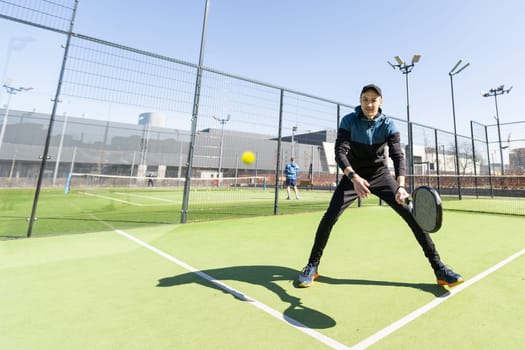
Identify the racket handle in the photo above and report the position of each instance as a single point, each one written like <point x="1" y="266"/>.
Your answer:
<point x="408" y="203"/>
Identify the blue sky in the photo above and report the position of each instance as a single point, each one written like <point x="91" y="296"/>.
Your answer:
<point x="325" y="48"/>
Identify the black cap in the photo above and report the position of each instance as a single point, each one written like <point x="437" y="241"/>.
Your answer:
<point x="372" y="87"/>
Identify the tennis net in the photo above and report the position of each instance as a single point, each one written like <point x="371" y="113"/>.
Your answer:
<point x="86" y="180"/>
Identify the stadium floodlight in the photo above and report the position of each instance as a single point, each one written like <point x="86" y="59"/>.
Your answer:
<point x="11" y="90"/>
<point x="500" y="90"/>
<point x="456" y="66"/>
<point x="406" y="69"/>
<point x="453" y="72"/>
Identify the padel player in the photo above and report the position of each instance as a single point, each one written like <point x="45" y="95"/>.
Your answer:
<point x="291" y="171"/>
<point x="360" y="152"/>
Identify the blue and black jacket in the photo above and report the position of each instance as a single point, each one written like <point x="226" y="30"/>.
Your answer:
<point x="361" y="143"/>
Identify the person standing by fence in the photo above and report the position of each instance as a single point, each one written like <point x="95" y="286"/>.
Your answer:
<point x="291" y="171"/>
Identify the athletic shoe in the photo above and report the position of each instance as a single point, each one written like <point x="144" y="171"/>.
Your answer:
<point x="447" y="277"/>
<point x="308" y="276"/>
<point x="297" y="197"/>
<point x="287" y="198"/>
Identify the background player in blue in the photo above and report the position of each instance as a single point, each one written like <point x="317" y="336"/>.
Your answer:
<point x="360" y="153"/>
<point x="291" y="171"/>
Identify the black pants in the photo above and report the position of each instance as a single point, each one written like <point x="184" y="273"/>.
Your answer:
<point x="383" y="185"/>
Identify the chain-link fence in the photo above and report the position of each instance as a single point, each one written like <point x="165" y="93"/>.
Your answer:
<point x="135" y="112"/>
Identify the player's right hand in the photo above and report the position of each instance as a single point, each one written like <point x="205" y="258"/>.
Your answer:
<point x="361" y="186"/>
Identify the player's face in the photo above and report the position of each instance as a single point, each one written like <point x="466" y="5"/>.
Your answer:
<point x="370" y="103"/>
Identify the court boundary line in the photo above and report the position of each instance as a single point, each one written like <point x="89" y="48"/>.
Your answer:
<point x="113" y="199"/>
<point x="148" y="197"/>
<point x="276" y="314"/>
<point x="376" y="337"/>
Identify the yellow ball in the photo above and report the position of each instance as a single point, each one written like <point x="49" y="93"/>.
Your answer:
<point x="248" y="157"/>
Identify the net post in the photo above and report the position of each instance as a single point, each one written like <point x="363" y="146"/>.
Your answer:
<point x="68" y="183"/>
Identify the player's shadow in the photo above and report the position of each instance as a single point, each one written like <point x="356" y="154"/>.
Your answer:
<point x="268" y="276"/>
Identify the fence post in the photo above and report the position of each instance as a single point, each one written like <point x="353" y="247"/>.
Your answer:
<point x="488" y="157"/>
<point x="51" y="122"/>
<point x="436" y="146"/>
<point x="338" y="121"/>
<point x="278" y="166"/>
<point x="195" y="114"/>
<point x="474" y="158"/>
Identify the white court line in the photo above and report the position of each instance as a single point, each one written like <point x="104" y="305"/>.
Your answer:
<point x="314" y="334"/>
<point x="290" y="321"/>
<point x="422" y="310"/>
<point x="148" y="197"/>
<point x="113" y="199"/>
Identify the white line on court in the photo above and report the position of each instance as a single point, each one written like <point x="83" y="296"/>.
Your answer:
<point x="290" y="321"/>
<point x="422" y="310"/>
<point x="314" y="334"/>
<point x="148" y="197"/>
<point x="113" y="199"/>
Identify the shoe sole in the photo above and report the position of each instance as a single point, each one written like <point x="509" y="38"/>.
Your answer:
<point x="309" y="284"/>
<point x="445" y="283"/>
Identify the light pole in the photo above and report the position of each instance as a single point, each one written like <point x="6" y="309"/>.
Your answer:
<point x="59" y="152"/>
<point x="406" y="69"/>
<point x="15" y="44"/>
<point x="294" y="130"/>
<point x="500" y="90"/>
<point x="443" y="152"/>
<point x="453" y="72"/>
<point x="180" y="155"/>
<point x="10" y="91"/>
<point x="222" y="121"/>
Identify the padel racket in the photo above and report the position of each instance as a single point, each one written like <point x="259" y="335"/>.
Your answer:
<point x="425" y="207"/>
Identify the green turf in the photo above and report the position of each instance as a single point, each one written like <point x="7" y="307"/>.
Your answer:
<point x="101" y="290"/>
<point x="497" y="205"/>
<point x="91" y="209"/>
<point x="86" y="210"/>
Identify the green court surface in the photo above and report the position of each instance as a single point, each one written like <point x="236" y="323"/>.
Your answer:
<point x="87" y="210"/>
<point x="229" y="285"/>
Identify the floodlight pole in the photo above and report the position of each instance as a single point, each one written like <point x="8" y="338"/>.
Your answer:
<point x="15" y="44"/>
<point x="500" y="90"/>
<point x="222" y="121"/>
<point x="294" y="130"/>
<point x="453" y="72"/>
<point x="406" y="69"/>
<point x="444" y="161"/>
<point x="10" y="91"/>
